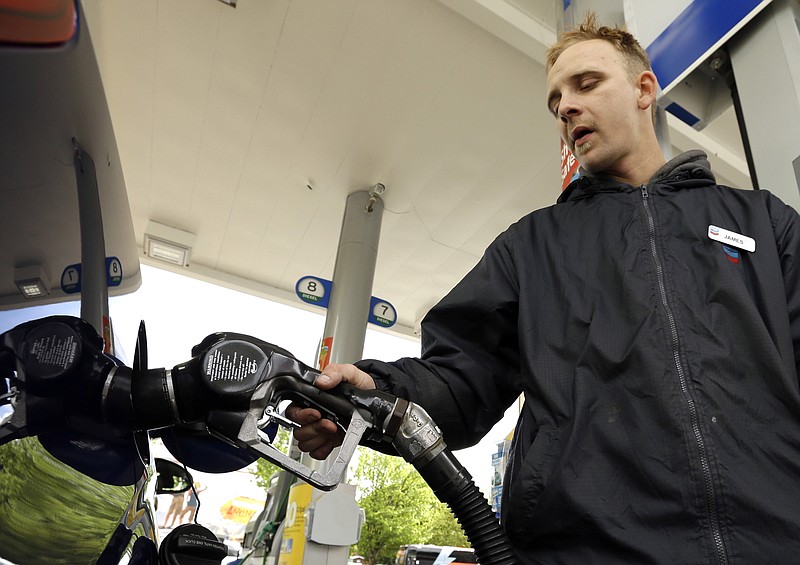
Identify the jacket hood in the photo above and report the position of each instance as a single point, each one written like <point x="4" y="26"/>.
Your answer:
<point x="692" y="166"/>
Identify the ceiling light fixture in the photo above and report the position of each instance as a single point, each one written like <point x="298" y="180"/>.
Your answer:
<point x="168" y="244"/>
<point x="32" y="281"/>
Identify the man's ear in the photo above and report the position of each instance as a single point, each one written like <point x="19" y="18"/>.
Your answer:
<point x="647" y="89"/>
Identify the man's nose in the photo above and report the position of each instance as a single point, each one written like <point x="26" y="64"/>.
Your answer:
<point x="568" y="107"/>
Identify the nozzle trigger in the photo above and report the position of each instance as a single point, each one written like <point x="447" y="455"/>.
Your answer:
<point x="273" y="416"/>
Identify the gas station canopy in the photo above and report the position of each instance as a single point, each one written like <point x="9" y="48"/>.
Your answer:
<point x="245" y="128"/>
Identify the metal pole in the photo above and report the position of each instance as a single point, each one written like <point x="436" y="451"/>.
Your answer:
<point x="94" y="286"/>
<point x="353" y="273"/>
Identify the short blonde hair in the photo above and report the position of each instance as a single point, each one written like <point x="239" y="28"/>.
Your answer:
<point x="634" y="56"/>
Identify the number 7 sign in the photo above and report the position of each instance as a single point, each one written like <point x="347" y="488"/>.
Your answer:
<point x="381" y="313"/>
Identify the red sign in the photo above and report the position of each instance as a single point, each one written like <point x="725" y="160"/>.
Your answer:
<point x="325" y="352"/>
<point x="569" y="166"/>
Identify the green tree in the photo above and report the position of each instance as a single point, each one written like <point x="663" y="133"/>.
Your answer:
<point x="443" y="528"/>
<point x="265" y="469"/>
<point x="400" y="509"/>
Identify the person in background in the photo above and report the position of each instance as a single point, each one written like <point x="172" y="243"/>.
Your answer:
<point x="174" y="511"/>
<point x="651" y="320"/>
<point x="192" y="503"/>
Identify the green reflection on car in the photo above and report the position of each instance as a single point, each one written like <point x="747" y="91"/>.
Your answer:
<point x="50" y="513"/>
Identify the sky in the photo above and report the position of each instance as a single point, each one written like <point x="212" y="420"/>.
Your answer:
<point x="180" y="311"/>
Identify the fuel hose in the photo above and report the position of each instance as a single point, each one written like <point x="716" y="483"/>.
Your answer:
<point x="420" y="443"/>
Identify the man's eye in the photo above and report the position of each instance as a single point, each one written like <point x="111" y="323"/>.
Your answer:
<point x="587" y="84"/>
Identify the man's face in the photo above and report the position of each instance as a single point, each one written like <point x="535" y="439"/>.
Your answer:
<point x="594" y="101"/>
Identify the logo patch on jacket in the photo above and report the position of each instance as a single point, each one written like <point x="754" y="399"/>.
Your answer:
<point x="731" y="253"/>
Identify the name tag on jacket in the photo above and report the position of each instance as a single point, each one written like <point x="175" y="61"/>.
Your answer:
<point x="732" y="238"/>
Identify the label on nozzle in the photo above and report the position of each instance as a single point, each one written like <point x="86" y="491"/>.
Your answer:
<point x="50" y="351"/>
<point x="233" y="366"/>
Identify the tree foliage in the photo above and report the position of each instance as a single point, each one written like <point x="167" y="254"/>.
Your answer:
<point x="264" y="469"/>
<point x="400" y="509"/>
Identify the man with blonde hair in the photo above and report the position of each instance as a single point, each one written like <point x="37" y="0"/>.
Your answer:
<point x="650" y="318"/>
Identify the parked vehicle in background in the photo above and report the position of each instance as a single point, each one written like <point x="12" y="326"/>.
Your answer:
<point x="419" y="554"/>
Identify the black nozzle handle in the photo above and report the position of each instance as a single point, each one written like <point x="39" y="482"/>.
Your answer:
<point x="254" y="440"/>
<point x="333" y="404"/>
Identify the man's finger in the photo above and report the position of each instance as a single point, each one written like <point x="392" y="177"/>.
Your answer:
<point x="302" y="415"/>
<point x="335" y="373"/>
<point x="322" y="452"/>
<point x="314" y="443"/>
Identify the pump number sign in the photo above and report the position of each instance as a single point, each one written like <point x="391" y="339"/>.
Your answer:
<point x="314" y="290"/>
<point x="71" y="276"/>
<point x="317" y="291"/>
<point x="71" y="279"/>
<point x="381" y="313"/>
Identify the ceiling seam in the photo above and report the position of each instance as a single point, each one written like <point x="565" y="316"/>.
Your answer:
<point x="430" y="238"/>
<point x="293" y="166"/>
<point x="422" y="116"/>
<point x="205" y="119"/>
<point x="509" y="195"/>
<point x="361" y="128"/>
<point x="249" y="147"/>
<point x="152" y="115"/>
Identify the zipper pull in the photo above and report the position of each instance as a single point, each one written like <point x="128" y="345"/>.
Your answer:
<point x="643" y="188"/>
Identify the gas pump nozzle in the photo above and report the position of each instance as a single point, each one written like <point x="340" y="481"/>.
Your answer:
<point x="235" y="386"/>
<point x="55" y="376"/>
<point x="246" y="380"/>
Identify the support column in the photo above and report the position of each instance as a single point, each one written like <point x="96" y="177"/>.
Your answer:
<point x="94" y="285"/>
<point x="346" y="321"/>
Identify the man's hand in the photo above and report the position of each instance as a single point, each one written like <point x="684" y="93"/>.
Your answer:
<point x="319" y="436"/>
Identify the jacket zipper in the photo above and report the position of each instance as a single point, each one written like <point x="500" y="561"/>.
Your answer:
<point x="711" y="498"/>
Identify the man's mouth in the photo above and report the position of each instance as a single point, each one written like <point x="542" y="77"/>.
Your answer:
<point x="580" y="135"/>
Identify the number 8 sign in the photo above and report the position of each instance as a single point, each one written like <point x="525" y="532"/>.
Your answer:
<point x="113" y="271"/>
<point x="314" y="290"/>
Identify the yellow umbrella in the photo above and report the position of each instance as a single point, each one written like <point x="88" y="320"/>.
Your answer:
<point x="241" y="509"/>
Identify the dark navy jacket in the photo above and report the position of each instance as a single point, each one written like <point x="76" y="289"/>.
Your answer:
<point x="661" y="421"/>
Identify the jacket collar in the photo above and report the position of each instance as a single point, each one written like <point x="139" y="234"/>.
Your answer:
<point x="687" y="170"/>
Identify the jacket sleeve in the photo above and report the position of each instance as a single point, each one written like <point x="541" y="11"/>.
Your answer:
<point x="469" y="372"/>
<point x="786" y="224"/>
